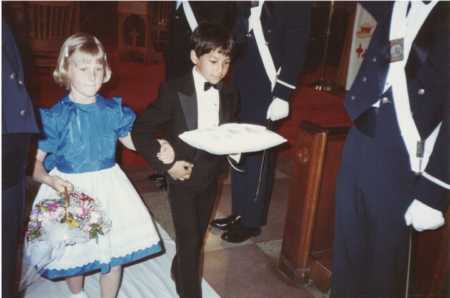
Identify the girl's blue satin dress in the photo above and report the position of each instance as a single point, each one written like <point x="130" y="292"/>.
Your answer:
<point x="80" y="141"/>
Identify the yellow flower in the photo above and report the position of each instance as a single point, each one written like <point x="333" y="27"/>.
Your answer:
<point x="72" y="223"/>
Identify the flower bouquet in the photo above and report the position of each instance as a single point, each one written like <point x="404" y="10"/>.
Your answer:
<point x="56" y="223"/>
<point x="75" y="218"/>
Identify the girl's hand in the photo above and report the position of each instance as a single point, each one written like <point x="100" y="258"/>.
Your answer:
<point x="60" y="184"/>
<point x="40" y="174"/>
<point x="166" y="154"/>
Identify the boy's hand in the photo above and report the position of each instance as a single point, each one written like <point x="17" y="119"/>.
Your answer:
<point x="58" y="184"/>
<point x="181" y="170"/>
<point x="166" y="154"/>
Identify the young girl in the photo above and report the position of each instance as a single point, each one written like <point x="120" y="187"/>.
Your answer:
<point x="80" y="136"/>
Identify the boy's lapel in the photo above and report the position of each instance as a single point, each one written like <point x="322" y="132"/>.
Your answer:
<point x="188" y="101"/>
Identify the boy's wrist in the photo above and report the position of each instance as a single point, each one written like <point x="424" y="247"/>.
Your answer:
<point x="167" y="167"/>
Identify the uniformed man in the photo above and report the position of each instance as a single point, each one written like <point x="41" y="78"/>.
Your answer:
<point x="273" y="38"/>
<point x="185" y="18"/>
<point x="395" y="168"/>
<point x="18" y="124"/>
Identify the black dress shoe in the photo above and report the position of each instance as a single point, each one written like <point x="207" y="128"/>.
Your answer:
<point x="238" y="234"/>
<point x="225" y="223"/>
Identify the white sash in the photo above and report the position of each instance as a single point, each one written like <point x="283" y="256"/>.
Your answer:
<point x="190" y="17"/>
<point x="407" y="27"/>
<point x="263" y="48"/>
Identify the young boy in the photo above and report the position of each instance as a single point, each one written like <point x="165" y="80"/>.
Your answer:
<point x="198" y="99"/>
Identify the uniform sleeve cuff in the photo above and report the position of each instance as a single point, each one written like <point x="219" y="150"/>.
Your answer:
<point x="281" y="91"/>
<point x="431" y="194"/>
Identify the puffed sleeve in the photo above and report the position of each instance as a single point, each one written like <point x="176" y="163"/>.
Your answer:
<point x="49" y="138"/>
<point x="125" y="118"/>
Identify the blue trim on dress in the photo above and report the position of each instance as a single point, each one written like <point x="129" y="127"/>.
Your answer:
<point x="104" y="267"/>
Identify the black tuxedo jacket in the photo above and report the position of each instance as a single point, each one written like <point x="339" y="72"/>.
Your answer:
<point x="178" y="45"/>
<point x="175" y="110"/>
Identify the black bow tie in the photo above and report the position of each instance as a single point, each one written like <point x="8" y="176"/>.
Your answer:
<point x="209" y="85"/>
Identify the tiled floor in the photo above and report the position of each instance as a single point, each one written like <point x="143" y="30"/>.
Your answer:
<point x="245" y="270"/>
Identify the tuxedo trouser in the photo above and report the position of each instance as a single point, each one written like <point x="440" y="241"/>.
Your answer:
<point x="373" y="190"/>
<point x="14" y="160"/>
<point x="191" y="209"/>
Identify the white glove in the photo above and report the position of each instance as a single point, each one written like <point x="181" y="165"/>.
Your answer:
<point x="278" y="109"/>
<point x="423" y="217"/>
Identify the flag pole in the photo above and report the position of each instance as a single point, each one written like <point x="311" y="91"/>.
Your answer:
<point x="408" y="266"/>
<point x="322" y="84"/>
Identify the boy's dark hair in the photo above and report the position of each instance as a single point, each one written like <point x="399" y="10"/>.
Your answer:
<point x="208" y="37"/>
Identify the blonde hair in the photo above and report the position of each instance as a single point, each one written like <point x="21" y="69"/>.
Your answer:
<point x="83" y="43"/>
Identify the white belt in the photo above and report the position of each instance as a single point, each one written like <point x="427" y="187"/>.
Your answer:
<point x="190" y="17"/>
<point x="264" y="52"/>
<point x="419" y="151"/>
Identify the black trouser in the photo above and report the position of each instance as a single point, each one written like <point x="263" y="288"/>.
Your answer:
<point x="191" y="210"/>
<point x="14" y="160"/>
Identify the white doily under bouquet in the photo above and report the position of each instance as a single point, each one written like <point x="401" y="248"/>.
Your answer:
<point x="56" y="223"/>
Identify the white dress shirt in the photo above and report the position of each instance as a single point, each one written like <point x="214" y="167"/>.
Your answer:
<point x="207" y="102"/>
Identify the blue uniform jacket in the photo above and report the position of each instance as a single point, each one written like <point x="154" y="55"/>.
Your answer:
<point x="427" y="72"/>
<point x="286" y="30"/>
<point x="17" y="110"/>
